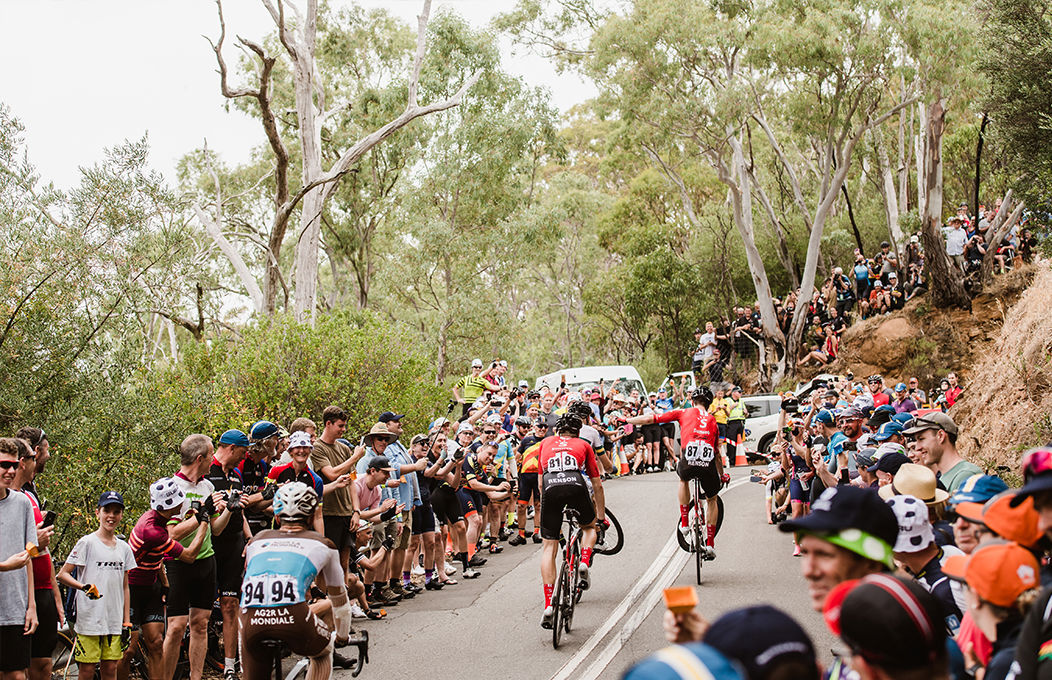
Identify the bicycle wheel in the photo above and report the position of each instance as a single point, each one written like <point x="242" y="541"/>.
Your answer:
<point x="216" y="654"/>
<point x="698" y="530"/>
<point x="613" y="539"/>
<point x="557" y="605"/>
<point x="299" y="670"/>
<point x="62" y="663"/>
<point x="571" y="595"/>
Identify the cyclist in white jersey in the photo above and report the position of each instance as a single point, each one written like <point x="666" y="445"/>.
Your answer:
<point x="280" y="566"/>
<point x="591" y="435"/>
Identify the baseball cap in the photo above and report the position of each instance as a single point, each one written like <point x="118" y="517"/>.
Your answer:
<point x="831" y="393"/>
<point x="388" y="416"/>
<point x="903" y="418"/>
<point x="437" y="422"/>
<point x="850" y="413"/>
<point x="864" y="457"/>
<point x="234" y="438"/>
<point x="465" y="427"/>
<point x="476" y="363"/>
<point x="914" y="239"/>
<point x="418" y="439"/>
<point x="998" y="572"/>
<point x="736" y="388"/>
<point x="703" y="660"/>
<point x="936" y="420"/>
<point x="825" y="417"/>
<point x="915" y="480"/>
<point x="1018" y="523"/>
<point x="524" y="384"/>
<point x="915" y="532"/>
<point x="887" y="431"/>
<point x="262" y="429"/>
<point x="540" y="422"/>
<point x="1037" y="473"/>
<point x="978" y="489"/>
<point x="111" y="498"/>
<point x="888" y="461"/>
<point x="364" y="524"/>
<point x="881" y="415"/>
<point x="887" y="620"/>
<point x="493" y="419"/>
<point x="379" y="463"/>
<point x="301" y="438"/>
<point x="853" y="518"/>
<point x="761" y="637"/>
<point x="901" y="387"/>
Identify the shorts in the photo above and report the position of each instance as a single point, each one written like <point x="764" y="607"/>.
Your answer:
<point x="96" y="648"/>
<point x="467" y="502"/>
<point x="402" y="542"/>
<point x="710" y="479"/>
<point x="338" y="530"/>
<point x="446" y="505"/>
<point x="668" y="430"/>
<point x="382" y="530"/>
<point x="651" y="434"/>
<point x="529" y="491"/>
<point x="423" y="520"/>
<point x="14" y="652"/>
<point x="797" y="492"/>
<point x="721" y="428"/>
<point x="230" y="566"/>
<point x="296" y="625"/>
<point x="191" y="586"/>
<point x="555" y="499"/>
<point x="145" y="604"/>
<point x="46" y="635"/>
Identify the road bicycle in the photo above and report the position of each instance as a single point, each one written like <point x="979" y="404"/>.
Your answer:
<point x="609" y="539"/>
<point x="568" y="589"/>
<point x="279" y="650"/>
<point x="694" y="541"/>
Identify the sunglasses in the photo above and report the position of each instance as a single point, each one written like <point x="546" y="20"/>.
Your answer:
<point x="8" y="464"/>
<point x="489" y="432"/>
<point x="1035" y="462"/>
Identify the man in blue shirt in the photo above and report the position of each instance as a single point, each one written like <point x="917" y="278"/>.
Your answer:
<point x="408" y="494"/>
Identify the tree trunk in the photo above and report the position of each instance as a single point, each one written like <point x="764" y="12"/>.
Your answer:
<point x="997" y="232"/>
<point x="920" y="151"/>
<point x="947" y="282"/>
<point x="905" y="152"/>
<point x="979" y="164"/>
<point x="443" y="359"/>
<point x="891" y="199"/>
<point x="851" y="218"/>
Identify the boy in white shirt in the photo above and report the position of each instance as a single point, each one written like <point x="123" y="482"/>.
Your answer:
<point x="103" y="624"/>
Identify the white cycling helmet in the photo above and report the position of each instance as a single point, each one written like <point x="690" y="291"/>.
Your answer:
<point x="165" y="494"/>
<point x="295" y="501"/>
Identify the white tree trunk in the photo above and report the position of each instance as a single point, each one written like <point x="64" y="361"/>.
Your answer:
<point x="243" y="273"/>
<point x="920" y="150"/>
<point x="891" y="200"/>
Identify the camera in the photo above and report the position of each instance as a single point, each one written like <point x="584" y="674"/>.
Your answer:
<point x="195" y="506"/>
<point x="791" y="405"/>
<point x="458" y="454"/>
<point x="233" y="500"/>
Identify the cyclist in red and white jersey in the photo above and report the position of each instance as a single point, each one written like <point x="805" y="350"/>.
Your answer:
<point x="567" y="465"/>
<point x="698" y="446"/>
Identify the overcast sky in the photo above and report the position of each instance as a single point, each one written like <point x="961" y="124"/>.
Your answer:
<point x="83" y="75"/>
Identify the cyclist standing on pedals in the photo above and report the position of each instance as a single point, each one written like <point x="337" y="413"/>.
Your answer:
<point x="698" y="439"/>
<point x="567" y="466"/>
<point x="280" y="565"/>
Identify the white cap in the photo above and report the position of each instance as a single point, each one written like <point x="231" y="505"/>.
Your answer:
<point x="914" y="239"/>
<point x="493" y="419"/>
<point x="465" y="427"/>
<point x="476" y="363"/>
<point x="165" y="494"/>
<point x="503" y="363"/>
<point x="915" y="532"/>
<point x="300" y="438"/>
<point x="524" y="384"/>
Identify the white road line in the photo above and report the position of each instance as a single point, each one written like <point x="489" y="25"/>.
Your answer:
<point x="670" y="555"/>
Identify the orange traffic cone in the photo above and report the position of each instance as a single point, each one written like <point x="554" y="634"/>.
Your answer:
<point x="739" y="453"/>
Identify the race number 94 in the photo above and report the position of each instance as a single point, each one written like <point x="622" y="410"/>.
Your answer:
<point x="269" y="591"/>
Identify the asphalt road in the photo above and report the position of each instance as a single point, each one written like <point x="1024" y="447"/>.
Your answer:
<point x="491" y="625"/>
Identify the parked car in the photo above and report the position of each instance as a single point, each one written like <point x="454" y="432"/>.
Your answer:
<point x="761" y="422"/>
<point x="803" y="390"/>
<point x="624" y="378"/>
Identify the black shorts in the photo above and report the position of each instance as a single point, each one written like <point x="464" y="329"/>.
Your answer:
<point x="145" y="604"/>
<point x="46" y="635"/>
<point x="555" y="499"/>
<point x="467" y="502"/>
<point x="338" y="530"/>
<point x="14" y="652"/>
<point x="721" y="429"/>
<point x="529" y="492"/>
<point x="446" y="505"/>
<point x="191" y="586"/>
<point x="230" y="567"/>
<point x="651" y="434"/>
<point x="668" y="430"/>
<point x="423" y="520"/>
<point x="710" y="479"/>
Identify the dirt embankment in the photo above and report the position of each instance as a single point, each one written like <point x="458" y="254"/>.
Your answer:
<point x="1001" y="351"/>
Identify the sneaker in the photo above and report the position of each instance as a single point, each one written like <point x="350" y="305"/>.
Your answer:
<point x="796" y="550"/>
<point x="403" y="592"/>
<point x="494" y="549"/>
<point x="374" y="601"/>
<point x="434" y="584"/>
<point x="537" y="538"/>
<point x="505" y="534"/>
<point x="477" y="560"/>
<point x="471" y="573"/>
<point x="338" y="661"/>
<point x="229" y="674"/>
<point x="517" y="540"/>
<point x="529" y="512"/>
<point x="356" y="611"/>
<point x="390" y="595"/>
<point x="417" y="570"/>
<point x="412" y="588"/>
<point x="547" y="619"/>
<point x="582" y="575"/>
<point x="450" y="569"/>
<point x="709" y="553"/>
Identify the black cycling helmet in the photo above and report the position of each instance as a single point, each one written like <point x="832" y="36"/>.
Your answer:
<point x="702" y="395"/>
<point x="523" y="421"/>
<point x="581" y="410"/>
<point x="568" y="424"/>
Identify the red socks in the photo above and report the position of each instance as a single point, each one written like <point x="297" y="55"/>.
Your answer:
<point x="549" y="588"/>
<point x="586" y="556"/>
<point x="683" y="511"/>
<point x="710" y="540"/>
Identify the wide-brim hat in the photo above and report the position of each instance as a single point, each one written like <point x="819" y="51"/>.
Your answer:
<point x="379" y="430"/>
<point x="918" y="481"/>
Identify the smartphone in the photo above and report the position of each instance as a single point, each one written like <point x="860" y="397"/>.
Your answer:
<point x="755" y="478"/>
<point x="49" y="519"/>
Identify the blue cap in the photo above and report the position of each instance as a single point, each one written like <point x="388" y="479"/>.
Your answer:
<point x="825" y="416"/>
<point x="978" y="489"/>
<point x="664" y="664"/>
<point x="903" y="418"/>
<point x="889" y="462"/>
<point x="345" y="442"/>
<point x="887" y="431"/>
<point x="111" y="498"/>
<point x="234" y="438"/>
<point x="760" y="638"/>
<point x="884" y="408"/>
<point x="262" y="429"/>
<point x="388" y="416"/>
<point x="901" y="387"/>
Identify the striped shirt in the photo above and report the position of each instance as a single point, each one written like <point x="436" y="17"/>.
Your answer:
<point x="150" y="543"/>
<point x="473" y="386"/>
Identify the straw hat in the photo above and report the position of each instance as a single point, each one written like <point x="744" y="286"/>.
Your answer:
<point x="915" y="480"/>
<point x="378" y="430"/>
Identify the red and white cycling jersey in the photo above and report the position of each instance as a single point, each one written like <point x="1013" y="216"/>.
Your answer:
<point x="568" y="454"/>
<point x="697" y="434"/>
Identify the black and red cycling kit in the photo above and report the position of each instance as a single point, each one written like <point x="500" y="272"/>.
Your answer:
<point x="565" y="464"/>
<point x="698" y="434"/>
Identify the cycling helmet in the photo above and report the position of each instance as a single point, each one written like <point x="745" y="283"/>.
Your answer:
<point x="702" y="395"/>
<point x="569" y="424"/>
<point x="165" y="494"/>
<point x="523" y="421"/>
<point x="581" y="410"/>
<point x="295" y="501"/>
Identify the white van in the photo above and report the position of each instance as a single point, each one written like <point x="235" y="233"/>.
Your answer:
<point x="624" y="378"/>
